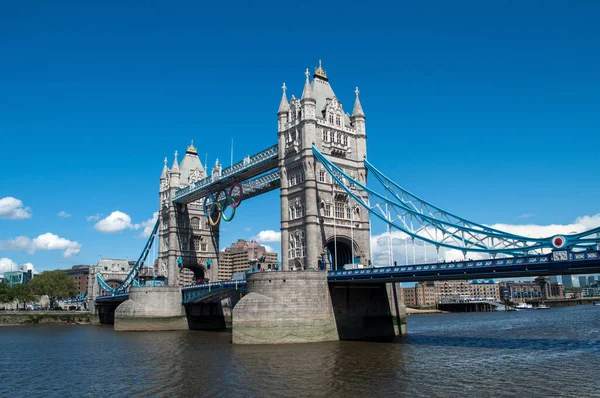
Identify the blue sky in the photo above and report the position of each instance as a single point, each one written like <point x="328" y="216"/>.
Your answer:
<point x="487" y="109"/>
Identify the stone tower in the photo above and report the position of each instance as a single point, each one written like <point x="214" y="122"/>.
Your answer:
<point x="188" y="245"/>
<point x="321" y="226"/>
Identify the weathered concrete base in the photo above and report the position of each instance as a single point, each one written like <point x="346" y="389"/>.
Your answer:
<point x="285" y="307"/>
<point x="368" y="311"/>
<point x="212" y="312"/>
<point x="151" y="308"/>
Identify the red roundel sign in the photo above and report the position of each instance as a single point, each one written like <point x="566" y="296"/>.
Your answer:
<point x="558" y="241"/>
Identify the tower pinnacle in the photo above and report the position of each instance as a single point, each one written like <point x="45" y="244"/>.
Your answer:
<point x="175" y="167"/>
<point x="283" y="105"/>
<point x="307" y="92"/>
<point x="320" y="71"/>
<point x="358" y="110"/>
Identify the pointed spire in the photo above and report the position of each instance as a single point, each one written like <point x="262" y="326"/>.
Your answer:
<point x="320" y="71"/>
<point x="165" y="170"/>
<point x="307" y="92"/>
<point x="191" y="149"/>
<point x="175" y="167"/>
<point x="283" y="105"/>
<point x="358" y="110"/>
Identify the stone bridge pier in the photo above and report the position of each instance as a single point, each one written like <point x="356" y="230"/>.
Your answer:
<point x="302" y="307"/>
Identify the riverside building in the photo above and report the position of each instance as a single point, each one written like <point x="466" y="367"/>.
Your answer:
<point x="240" y="256"/>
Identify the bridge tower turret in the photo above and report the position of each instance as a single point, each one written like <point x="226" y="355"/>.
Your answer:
<point x="172" y="242"/>
<point x="188" y="244"/>
<point x="321" y="225"/>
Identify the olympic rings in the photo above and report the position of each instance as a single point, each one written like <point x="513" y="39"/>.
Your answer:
<point x="237" y="202"/>
<point x="216" y="205"/>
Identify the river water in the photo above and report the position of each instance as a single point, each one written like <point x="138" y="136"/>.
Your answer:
<point x="535" y="353"/>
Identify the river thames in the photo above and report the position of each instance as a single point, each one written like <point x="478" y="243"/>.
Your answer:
<point x="543" y="353"/>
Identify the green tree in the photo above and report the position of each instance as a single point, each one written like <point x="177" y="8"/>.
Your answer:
<point x="56" y="284"/>
<point x="22" y="294"/>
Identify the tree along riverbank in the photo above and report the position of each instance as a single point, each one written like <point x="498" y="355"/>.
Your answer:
<point x="15" y="318"/>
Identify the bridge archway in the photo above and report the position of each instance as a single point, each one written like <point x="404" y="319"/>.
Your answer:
<point x="198" y="271"/>
<point x="338" y="252"/>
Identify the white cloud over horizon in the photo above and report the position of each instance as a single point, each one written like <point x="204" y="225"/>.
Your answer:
<point x="402" y="245"/>
<point x="64" y="214"/>
<point x="8" y="265"/>
<point x="267" y="236"/>
<point x="13" y="209"/>
<point x="118" y="221"/>
<point x="44" y="242"/>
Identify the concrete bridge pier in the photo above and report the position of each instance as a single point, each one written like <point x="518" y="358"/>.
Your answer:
<point x="151" y="308"/>
<point x="302" y="307"/>
<point x="368" y="311"/>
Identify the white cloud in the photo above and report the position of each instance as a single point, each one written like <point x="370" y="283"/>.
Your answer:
<point x="44" y="242"/>
<point x="95" y="217"/>
<point x="268" y="249"/>
<point x="118" y="221"/>
<point x="115" y="222"/>
<point x="12" y="208"/>
<point x="8" y="265"/>
<point x="247" y="229"/>
<point x="148" y="225"/>
<point x="267" y="236"/>
<point x="63" y="214"/>
<point x="402" y="245"/>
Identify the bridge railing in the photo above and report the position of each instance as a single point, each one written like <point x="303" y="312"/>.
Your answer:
<point x="246" y="164"/>
<point x="555" y="257"/>
<point x="189" y="293"/>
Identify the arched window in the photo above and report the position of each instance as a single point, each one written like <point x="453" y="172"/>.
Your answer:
<point x="331" y="118"/>
<point x="321" y="175"/>
<point x="195" y="223"/>
<point x="337" y="120"/>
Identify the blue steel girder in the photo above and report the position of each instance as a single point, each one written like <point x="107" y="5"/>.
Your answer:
<point x="248" y="168"/>
<point x="421" y="220"/>
<point x="194" y="292"/>
<point x="113" y="297"/>
<point x="562" y="262"/>
<point x="131" y="278"/>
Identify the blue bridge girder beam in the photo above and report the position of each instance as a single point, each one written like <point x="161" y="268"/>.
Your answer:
<point x="195" y="292"/>
<point x="248" y="168"/>
<point x="568" y="263"/>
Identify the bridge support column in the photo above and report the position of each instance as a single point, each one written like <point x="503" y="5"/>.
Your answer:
<point x="151" y="308"/>
<point x="285" y="307"/>
<point x="368" y="311"/>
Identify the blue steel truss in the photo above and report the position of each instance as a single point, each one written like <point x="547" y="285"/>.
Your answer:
<point x="191" y="293"/>
<point x="419" y="219"/>
<point x="131" y="278"/>
<point x="557" y="262"/>
<point x="251" y="166"/>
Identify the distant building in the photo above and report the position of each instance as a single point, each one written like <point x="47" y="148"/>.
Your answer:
<point x="240" y="257"/>
<point x="553" y="279"/>
<point x="535" y="291"/>
<point x="582" y="281"/>
<point x="79" y="274"/>
<point x="430" y="294"/>
<point x="567" y="281"/>
<point x="13" y="278"/>
<point x="590" y="291"/>
<point x="113" y="271"/>
<point x="591" y="280"/>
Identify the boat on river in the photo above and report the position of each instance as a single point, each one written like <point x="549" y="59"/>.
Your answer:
<point x="542" y="307"/>
<point x="523" y="307"/>
<point x="596" y="303"/>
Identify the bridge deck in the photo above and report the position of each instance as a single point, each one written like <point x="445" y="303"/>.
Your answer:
<point x="248" y="168"/>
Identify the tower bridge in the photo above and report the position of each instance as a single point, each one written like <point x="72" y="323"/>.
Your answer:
<point x="320" y="166"/>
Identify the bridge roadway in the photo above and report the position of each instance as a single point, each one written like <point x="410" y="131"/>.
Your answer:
<point x="556" y="263"/>
<point x="241" y="172"/>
